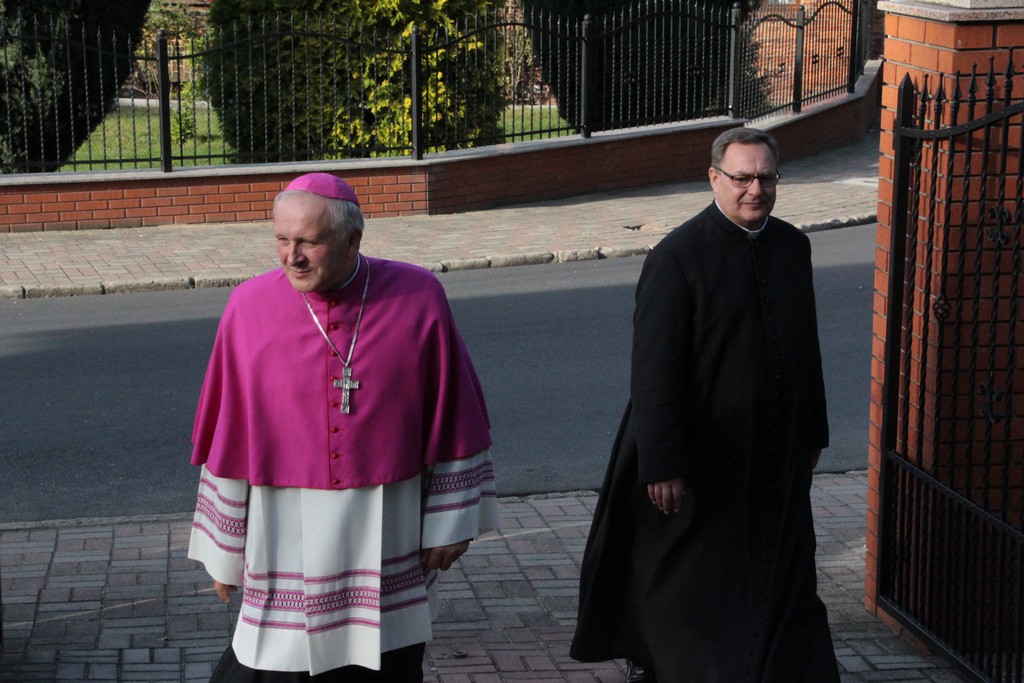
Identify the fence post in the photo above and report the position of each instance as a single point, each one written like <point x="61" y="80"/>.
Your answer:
<point x="416" y="103"/>
<point x="164" y="84"/>
<point x="903" y="147"/>
<point x="798" y="67"/>
<point x="734" y="60"/>
<point x="585" y="84"/>
<point x="854" y="52"/>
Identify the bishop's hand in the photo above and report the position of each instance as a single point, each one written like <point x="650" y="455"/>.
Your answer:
<point x="443" y="556"/>
<point x="224" y="590"/>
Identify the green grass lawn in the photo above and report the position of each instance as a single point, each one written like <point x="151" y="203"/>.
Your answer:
<point x="520" y="121"/>
<point x="129" y="138"/>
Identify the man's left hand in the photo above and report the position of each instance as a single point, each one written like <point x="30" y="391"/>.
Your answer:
<point x="443" y="556"/>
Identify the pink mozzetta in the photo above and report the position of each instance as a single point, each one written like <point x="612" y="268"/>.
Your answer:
<point x="269" y="411"/>
<point x="325" y="185"/>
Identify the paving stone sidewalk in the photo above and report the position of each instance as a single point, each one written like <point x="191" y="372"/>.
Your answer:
<point x="117" y="600"/>
<point x="830" y="189"/>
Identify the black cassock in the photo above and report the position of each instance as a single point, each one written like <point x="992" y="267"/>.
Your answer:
<point x="727" y="393"/>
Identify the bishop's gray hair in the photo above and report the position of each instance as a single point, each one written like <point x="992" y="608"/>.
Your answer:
<point x="343" y="217"/>
<point x="741" y="136"/>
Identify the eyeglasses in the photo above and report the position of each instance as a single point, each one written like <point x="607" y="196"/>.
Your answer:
<point x="767" y="180"/>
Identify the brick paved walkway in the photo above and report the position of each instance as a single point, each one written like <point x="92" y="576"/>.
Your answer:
<point x="118" y="600"/>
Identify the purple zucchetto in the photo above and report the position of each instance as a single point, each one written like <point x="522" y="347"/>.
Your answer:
<point x="325" y="185"/>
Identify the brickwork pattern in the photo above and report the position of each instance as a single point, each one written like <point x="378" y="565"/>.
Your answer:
<point x="117" y="600"/>
<point x="928" y="49"/>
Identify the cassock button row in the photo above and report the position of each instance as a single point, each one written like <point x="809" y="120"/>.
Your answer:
<point x="333" y="327"/>
<point x="334" y="404"/>
<point x="335" y="429"/>
<point x="335" y="456"/>
<point x="335" y="481"/>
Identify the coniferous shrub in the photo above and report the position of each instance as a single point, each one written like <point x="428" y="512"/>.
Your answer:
<point x="61" y="65"/>
<point x="294" y="80"/>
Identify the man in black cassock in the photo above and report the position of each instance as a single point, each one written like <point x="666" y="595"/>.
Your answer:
<point x="700" y="562"/>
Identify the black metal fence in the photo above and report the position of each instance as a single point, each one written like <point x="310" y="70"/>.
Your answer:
<point x="951" y="540"/>
<point x="294" y="88"/>
<point x="794" y="56"/>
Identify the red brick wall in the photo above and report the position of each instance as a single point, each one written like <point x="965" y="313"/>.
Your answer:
<point x="584" y="166"/>
<point x="78" y="202"/>
<point x="459" y="181"/>
<point x="920" y="43"/>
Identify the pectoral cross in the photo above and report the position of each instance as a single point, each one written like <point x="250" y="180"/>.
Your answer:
<point x="346" y="384"/>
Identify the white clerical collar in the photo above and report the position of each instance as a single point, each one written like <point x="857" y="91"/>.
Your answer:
<point x="343" y="285"/>
<point x="751" y="234"/>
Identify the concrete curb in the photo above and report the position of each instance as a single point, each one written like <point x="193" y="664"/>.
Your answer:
<point x="447" y="266"/>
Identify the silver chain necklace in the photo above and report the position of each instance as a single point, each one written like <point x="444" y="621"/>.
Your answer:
<point x="346" y="383"/>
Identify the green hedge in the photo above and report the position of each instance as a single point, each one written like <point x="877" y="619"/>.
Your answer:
<point x="287" y="75"/>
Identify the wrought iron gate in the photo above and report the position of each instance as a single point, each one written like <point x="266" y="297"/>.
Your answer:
<point x="952" y="512"/>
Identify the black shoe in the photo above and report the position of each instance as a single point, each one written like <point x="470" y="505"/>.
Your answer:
<point x="637" y="673"/>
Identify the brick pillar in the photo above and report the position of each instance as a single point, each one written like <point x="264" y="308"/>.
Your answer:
<point x="922" y="40"/>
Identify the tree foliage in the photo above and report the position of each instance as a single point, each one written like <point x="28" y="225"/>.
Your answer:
<point x="333" y="76"/>
<point x="648" y="62"/>
<point x="61" y="65"/>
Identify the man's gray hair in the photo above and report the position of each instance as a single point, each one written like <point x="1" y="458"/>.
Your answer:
<point x="742" y="136"/>
<point x="343" y="216"/>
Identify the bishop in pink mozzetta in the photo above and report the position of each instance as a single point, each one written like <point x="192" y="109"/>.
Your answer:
<point x="343" y="441"/>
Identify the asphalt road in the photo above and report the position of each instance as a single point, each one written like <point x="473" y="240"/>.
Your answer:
<point x="97" y="393"/>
